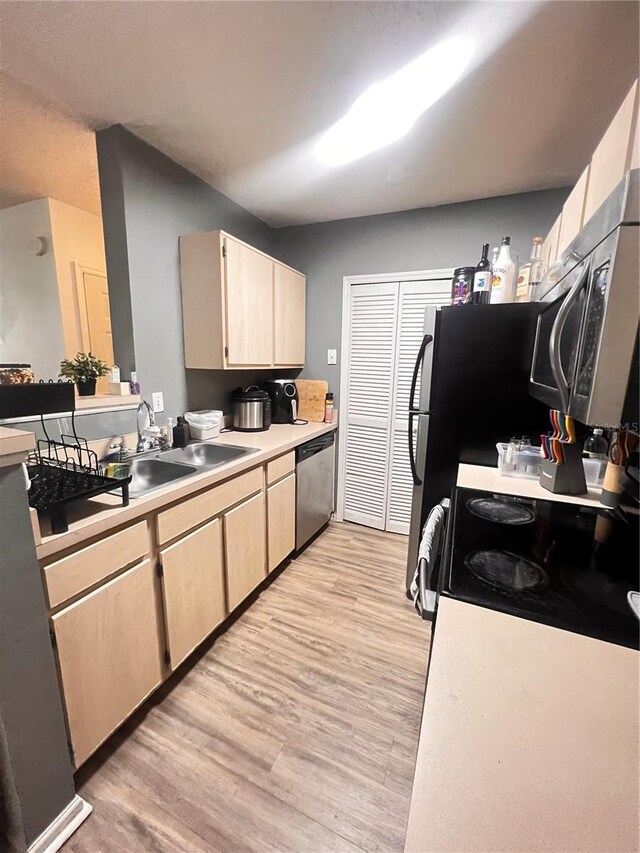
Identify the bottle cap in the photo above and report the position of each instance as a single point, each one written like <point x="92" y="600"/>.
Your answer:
<point x="181" y="420"/>
<point x="329" y="396"/>
<point x="134" y="376"/>
<point x="538" y="241"/>
<point x="597" y="431"/>
<point x="506" y="241"/>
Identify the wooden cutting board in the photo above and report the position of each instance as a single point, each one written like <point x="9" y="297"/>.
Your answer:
<point x="311" y="397"/>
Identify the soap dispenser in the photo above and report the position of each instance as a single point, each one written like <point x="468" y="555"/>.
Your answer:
<point x="181" y="434"/>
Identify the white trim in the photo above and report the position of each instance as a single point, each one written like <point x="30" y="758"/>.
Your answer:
<point x="347" y="282"/>
<point x="390" y="277"/>
<point x="79" y="413"/>
<point x="62" y="828"/>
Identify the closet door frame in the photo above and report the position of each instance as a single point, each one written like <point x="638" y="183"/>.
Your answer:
<point x="348" y="282"/>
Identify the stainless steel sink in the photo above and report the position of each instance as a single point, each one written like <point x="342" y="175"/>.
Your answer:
<point x="150" y="473"/>
<point x="205" y="456"/>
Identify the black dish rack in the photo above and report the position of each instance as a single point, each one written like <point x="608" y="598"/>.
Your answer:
<point x="65" y="471"/>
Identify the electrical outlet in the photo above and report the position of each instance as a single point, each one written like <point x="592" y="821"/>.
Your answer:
<point x="157" y="401"/>
<point x="332" y="356"/>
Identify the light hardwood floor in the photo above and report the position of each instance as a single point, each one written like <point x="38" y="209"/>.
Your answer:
<point x="296" y="730"/>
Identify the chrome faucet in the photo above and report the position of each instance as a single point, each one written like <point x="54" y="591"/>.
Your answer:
<point x="148" y="432"/>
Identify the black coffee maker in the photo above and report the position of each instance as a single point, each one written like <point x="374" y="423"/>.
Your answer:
<point x="284" y="400"/>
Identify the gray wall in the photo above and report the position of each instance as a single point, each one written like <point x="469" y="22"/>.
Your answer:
<point x="36" y="781"/>
<point x="148" y="202"/>
<point x="429" y="238"/>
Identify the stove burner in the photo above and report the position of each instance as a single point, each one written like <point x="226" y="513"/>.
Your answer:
<point x="503" y="512"/>
<point x="505" y="571"/>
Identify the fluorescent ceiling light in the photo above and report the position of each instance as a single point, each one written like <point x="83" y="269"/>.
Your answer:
<point x="389" y="109"/>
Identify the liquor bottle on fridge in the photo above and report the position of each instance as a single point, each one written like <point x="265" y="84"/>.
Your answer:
<point x="482" y="279"/>
<point x="504" y="275"/>
<point x="530" y="275"/>
<point x="494" y="257"/>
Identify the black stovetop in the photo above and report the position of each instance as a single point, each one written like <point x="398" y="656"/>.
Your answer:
<point x="562" y="564"/>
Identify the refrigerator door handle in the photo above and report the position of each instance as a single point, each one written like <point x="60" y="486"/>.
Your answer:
<point x="412" y="452"/>
<point x="555" y="337"/>
<point x="427" y="339"/>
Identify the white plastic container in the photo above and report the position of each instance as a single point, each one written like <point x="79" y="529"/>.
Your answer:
<point x="204" y="424"/>
<point x="528" y="463"/>
<point x="594" y="471"/>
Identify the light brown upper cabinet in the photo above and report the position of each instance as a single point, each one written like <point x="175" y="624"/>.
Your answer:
<point x="240" y="307"/>
<point x="550" y="245"/>
<point x="614" y="154"/>
<point x="289" y="293"/>
<point x="573" y="212"/>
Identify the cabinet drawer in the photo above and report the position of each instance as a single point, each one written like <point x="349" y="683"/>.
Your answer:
<point x="109" y="656"/>
<point x="280" y="467"/>
<point x="194" y="511"/>
<point x="74" y="574"/>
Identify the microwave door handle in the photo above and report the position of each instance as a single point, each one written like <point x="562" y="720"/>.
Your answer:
<point x="556" y="336"/>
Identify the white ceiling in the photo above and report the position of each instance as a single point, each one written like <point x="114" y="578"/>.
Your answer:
<point x="44" y="152"/>
<point x="238" y="92"/>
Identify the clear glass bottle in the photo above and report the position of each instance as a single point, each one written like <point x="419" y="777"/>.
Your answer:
<point x="596" y="446"/>
<point x="504" y="275"/>
<point x="530" y="275"/>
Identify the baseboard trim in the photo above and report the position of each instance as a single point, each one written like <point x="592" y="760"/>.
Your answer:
<point x="60" y="829"/>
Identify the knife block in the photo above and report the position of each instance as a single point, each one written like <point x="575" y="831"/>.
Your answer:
<point x="566" y="478"/>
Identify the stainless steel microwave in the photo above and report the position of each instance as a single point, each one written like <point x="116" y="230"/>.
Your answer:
<point x="585" y="358"/>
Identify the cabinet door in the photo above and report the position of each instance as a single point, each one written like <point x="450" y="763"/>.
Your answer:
<point x="109" y="656"/>
<point x="613" y="156"/>
<point x="289" y="315"/>
<point x="573" y="212"/>
<point x="281" y="520"/>
<point x="249" y="305"/>
<point x="194" y="595"/>
<point x="550" y="245"/>
<point x="245" y="535"/>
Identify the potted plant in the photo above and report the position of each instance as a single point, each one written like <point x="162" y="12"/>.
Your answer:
<point x="84" y="369"/>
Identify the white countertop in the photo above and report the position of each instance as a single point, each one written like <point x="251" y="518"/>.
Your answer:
<point x="529" y="739"/>
<point x="489" y="479"/>
<point x="100" y="514"/>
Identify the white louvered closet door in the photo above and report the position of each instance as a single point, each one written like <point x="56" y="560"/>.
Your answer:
<point x="385" y="332"/>
<point x="413" y="298"/>
<point x="373" y="312"/>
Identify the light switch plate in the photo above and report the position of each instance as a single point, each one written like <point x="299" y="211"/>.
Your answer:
<point x="157" y="401"/>
<point x="332" y="356"/>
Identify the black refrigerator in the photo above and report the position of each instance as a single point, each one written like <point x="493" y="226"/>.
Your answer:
<point x="473" y="374"/>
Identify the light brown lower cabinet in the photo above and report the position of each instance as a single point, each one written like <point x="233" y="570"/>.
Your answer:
<point x="245" y="545"/>
<point x="109" y="654"/>
<point x="281" y="520"/>
<point x="194" y="594"/>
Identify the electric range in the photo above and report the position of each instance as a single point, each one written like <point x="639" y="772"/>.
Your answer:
<point x="565" y="565"/>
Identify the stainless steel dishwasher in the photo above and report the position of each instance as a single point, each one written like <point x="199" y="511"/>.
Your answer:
<point x="315" y="467"/>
